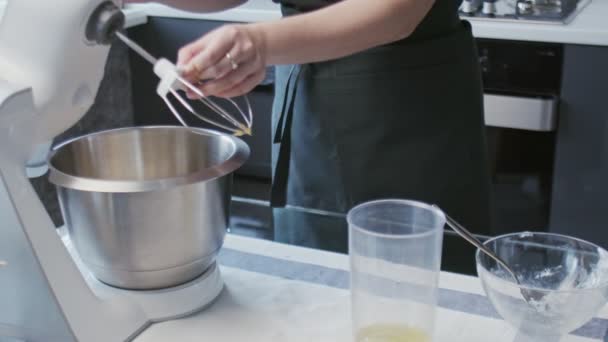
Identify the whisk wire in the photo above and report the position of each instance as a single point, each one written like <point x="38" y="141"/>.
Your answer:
<point x="190" y="109"/>
<point x="244" y="128"/>
<point x="171" y="81"/>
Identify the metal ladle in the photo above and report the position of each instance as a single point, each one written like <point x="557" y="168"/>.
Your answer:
<point x="528" y="294"/>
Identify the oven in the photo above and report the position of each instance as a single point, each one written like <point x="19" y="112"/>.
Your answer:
<point x="521" y="95"/>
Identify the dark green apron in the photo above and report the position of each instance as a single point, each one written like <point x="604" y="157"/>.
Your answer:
<point x="403" y="120"/>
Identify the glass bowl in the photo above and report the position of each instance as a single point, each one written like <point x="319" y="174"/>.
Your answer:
<point x="569" y="277"/>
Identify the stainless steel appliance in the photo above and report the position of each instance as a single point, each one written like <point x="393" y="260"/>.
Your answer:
<point x="522" y="82"/>
<point x="147" y="207"/>
<point x="539" y="11"/>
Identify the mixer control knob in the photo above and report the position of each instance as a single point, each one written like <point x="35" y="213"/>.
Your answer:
<point x="489" y="7"/>
<point x="104" y="22"/>
<point x="469" y="6"/>
<point x="525" y="6"/>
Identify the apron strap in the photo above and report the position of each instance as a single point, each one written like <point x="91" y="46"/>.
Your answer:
<point x="278" y="192"/>
<point x="287" y="97"/>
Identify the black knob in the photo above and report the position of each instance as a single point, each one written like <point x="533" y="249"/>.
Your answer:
<point x="489" y="7"/>
<point x="524" y="6"/>
<point x="105" y="20"/>
<point x="469" y="6"/>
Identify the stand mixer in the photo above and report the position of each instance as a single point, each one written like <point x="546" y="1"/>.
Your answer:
<point x="52" y="57"/>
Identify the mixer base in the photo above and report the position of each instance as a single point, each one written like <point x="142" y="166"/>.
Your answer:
<point x="158" y="305"/>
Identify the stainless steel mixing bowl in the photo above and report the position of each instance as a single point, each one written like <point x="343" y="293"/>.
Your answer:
<point x="147" y="207"/>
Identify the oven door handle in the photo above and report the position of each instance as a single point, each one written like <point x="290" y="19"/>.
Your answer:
<point x="521" y="112"/>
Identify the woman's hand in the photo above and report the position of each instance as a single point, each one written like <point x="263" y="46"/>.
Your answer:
<point x="227" y="62"/>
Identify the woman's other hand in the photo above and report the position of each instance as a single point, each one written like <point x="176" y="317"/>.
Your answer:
<point x="227" y="62"/>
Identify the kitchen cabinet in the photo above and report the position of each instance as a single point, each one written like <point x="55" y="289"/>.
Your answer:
<point x="572" y="160"/>
<point x="580" y="181"/>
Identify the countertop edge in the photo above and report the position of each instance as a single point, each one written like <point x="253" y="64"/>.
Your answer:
<point x="538" y="33"/>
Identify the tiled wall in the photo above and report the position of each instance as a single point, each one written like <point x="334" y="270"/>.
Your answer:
<point x="112" y="109"/>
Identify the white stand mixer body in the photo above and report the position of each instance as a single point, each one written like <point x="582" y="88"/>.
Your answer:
<point x="49" y="75"/>
<point x="43" y="47"/>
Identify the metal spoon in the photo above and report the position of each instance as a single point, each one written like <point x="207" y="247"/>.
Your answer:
<point x="529" y="295"/>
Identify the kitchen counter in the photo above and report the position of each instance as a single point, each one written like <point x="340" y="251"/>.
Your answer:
<point x="276" y="292"/>
<point x="589" y="27"/>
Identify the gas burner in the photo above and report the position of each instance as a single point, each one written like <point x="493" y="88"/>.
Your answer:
<point x="529" y="11"/>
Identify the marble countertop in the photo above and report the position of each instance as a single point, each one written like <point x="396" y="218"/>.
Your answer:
<point x="276" y="292"/>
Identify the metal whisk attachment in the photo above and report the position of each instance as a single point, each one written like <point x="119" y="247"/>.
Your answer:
<point x="171" y="82"/>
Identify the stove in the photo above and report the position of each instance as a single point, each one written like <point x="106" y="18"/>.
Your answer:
<point x="528" y="11"/>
